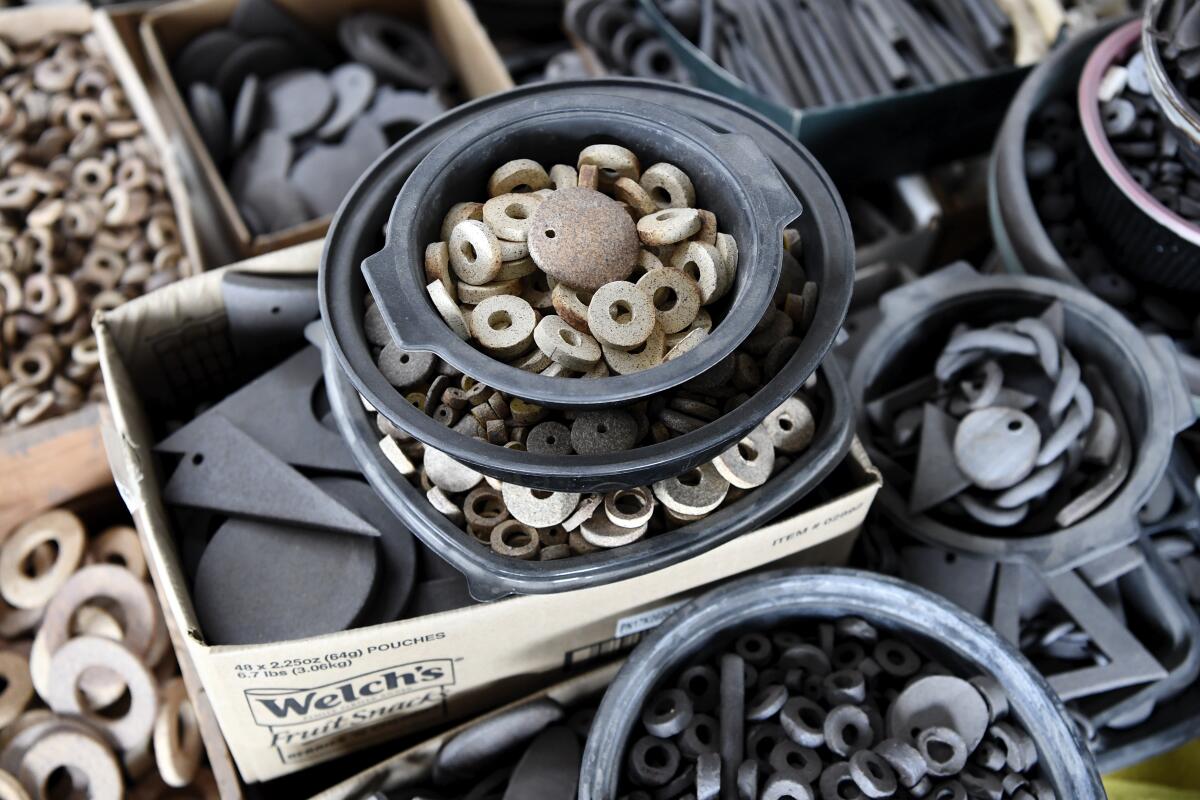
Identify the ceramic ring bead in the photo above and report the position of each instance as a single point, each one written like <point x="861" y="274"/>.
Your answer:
<point x="537" y="508"/>
<point x="564" y="345"/>
<point x="510" y="215"/>
<point x="474" y="252"/>
<point x="516" y="540"/>
<point x="82" y="653"/>
<point x="675" y="296"/>
<point x="519" y="175"/>
<point x="669" y="226"/>
<point x="621" y="315"/>
<point x="668" y="186"/>
<point x="697" y="491"/>
<point x="61" y="528"/>
<point x="176" y="737"/>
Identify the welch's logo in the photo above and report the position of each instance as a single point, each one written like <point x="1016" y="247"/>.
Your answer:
<point x="275" y="707"/>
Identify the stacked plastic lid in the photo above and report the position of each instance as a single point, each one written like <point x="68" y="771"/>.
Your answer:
<point x="754" y="178"/>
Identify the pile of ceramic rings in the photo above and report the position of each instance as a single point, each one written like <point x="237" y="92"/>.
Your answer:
<point x="85" y="221"/>
<point x="839" y="710"/>
<point x="90" y="684"/>
<point x="626" y="295"/>
<point x="528" y="524"/>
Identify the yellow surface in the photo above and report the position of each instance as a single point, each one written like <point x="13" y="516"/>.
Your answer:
<point x="1172" y="776"/>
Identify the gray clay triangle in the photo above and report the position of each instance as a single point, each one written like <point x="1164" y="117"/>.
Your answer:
<point x="937" y="478"/>
<point x="231" y="473"/>
<point x="276" y="411"/>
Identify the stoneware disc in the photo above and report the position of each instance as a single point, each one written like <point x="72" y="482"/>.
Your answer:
<point x="997" y="447"/>
<point x="212" y="121"/>
<point x="325" y="173"/>
<point x="260" y="582"/>
<point x="195" y="61"/>
<point x="353" y="87"/>
<point x="245" y="113"/>
<point x="939" y="701"/>
<point x="297" y="101"/>
<point x="261" y="57"/>
<point x="583" y="238"/>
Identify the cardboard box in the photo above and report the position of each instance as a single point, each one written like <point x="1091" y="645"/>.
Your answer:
<point x="166" y="29"/>
<point x="413" y="766"/>
<point x="288" y="705"/>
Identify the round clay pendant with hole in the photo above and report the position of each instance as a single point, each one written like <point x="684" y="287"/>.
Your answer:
<point x="583" y="238"/>
<point x="997" y="447"/>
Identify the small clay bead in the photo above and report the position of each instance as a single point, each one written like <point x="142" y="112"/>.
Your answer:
<point x="458" y="213"/>
<point x="791" y="426"/>
<point x="509" y="215"/>
<point x="697" y="491"/>
<point x="520" y="175"/>
<point x="564" y="345"/>
<point x="708" y="227"/>
<point x="685" y="345"/>
<point x="600" y="531"/>
<point x="67" y="534"/>
<point x="669" y="186"/>
<point x="537" y="508"/>
<point x="612" y="160"/>
<point x="405" y="368"/>
<point x="572" y="305"/>
<point x="700" y="262"/>
<point x="470" y="294"/>
<point x="515" y="540"/>
<point x="621" y="315"/>
<point x="451" y="313"/>
<point x="562" y="176"/>
<point x="750" y="462"/>
<point x="675" y="295"/>
<point x="629" y="191"/>
<point x="669" y="226"/>
<point x="604" y="431"/>
<point x="437" y="266"/>
<point x="642" y="357"/>
<point x="589" y="176"/>
<point x="474" y="252"/>
<point x="629" y="508"/>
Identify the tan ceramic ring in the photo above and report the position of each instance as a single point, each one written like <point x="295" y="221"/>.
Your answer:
<point x="119" y="545"/>
<point x="79" y="753"/>
<point x="18" y="687"/>
<point x="11" y="788"/>
<point x="86" y="652"/>
<point x="103" y="582"/>
<point x="176" y="736"/>
<point x="60" y="527"/>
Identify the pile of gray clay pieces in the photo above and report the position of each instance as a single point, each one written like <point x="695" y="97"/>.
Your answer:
<point x="831" y="710"/>
<point x="292" y="121"/>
